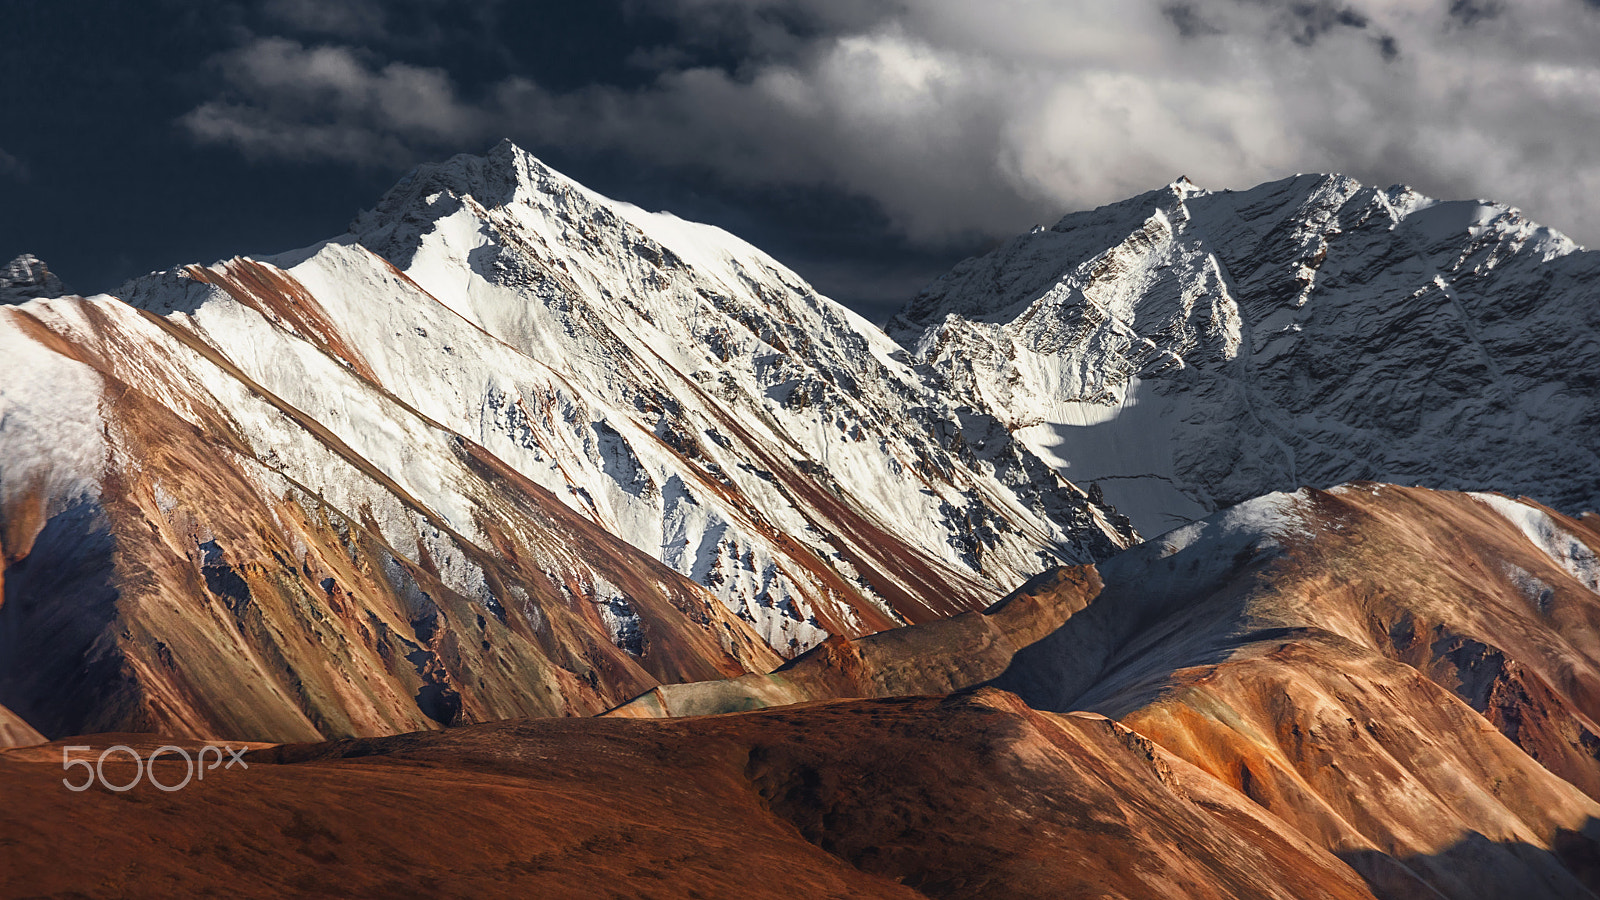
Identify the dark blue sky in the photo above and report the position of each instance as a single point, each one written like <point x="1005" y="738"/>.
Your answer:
<point x="103" y="181"/>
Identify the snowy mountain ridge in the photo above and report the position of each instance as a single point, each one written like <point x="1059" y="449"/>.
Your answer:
<point x="1186" y="350"/>
<point x="726" y="365"/>
<point x="546" y="461"/>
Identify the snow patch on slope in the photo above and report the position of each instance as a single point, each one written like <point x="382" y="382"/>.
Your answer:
<point x="1124" y="448"/>
<point x="52" y="436"/>
<point x="1263" y="520"/>
<point x="1561" y="546"/>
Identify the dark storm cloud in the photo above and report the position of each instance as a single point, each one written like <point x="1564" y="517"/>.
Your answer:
<point x="1310" y="21"/>
<point x="928" y="125"/>
<point x="957" y="118"/>
<point x="1302" y="22"/>
<point x="1188" y="20"/>
<point x="330" y="102"/>
<point x="1470" y="12"/>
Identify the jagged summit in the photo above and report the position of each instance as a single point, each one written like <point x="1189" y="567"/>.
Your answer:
<point x="28" y="278"/>
<point x="1187" y="349"/>
<point x="495" y="177"/>
<point x="529" y="194"/>
<point x="432" y="190"/>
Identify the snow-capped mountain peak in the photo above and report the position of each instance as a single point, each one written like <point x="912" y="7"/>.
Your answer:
<point x="681" y="333"/>
<point x="664" y="379"/>
<point x="1188" y="349"/>
<point x="28" y="278"/>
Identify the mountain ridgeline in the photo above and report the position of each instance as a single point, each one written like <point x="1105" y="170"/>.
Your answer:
<point x="1186" y="350"/>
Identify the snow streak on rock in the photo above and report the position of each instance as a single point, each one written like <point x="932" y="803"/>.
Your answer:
<point x="1564" y="548"/>
<point x="689" y="393"/>
<point x="26" y="278"/>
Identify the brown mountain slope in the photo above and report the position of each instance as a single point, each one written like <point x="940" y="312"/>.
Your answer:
<point x="975" y="796"/>
<point x="176" y="583"/>
<point x="965" y="650"/>
<point x="1400" y="674"/>
<point x="1375" y="762"/>
<point x="16" y="733"/>
<point x="1372" y="691"/>
<point x="1450" y="584"/>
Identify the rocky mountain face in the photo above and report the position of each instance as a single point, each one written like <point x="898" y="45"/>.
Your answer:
<point x="507" y="448"/>
<point x="1187" y="350"/>
<point x="188" y="551"/>
<point x="26" y="278"/>
<point x="1406" y="678"/>
<point x="16" y="733"/>
<point x="701" y="401"/>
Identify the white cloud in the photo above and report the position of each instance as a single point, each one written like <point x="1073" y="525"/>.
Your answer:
<point x="296" y="102"/>
<point x="958" y="116"/>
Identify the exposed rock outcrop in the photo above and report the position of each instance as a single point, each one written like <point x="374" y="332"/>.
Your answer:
<point x="16" y="733"/>
<point x="26" y="278"/>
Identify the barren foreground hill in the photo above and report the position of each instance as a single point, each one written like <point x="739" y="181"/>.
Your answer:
<point x="1368" y="692"/>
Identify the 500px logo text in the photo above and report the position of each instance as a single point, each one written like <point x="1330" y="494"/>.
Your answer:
<point x="146" y="769"/>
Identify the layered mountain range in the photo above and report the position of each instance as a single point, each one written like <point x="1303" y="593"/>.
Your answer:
<point x="506" y="448"/>
<point x="610" y="524"/>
